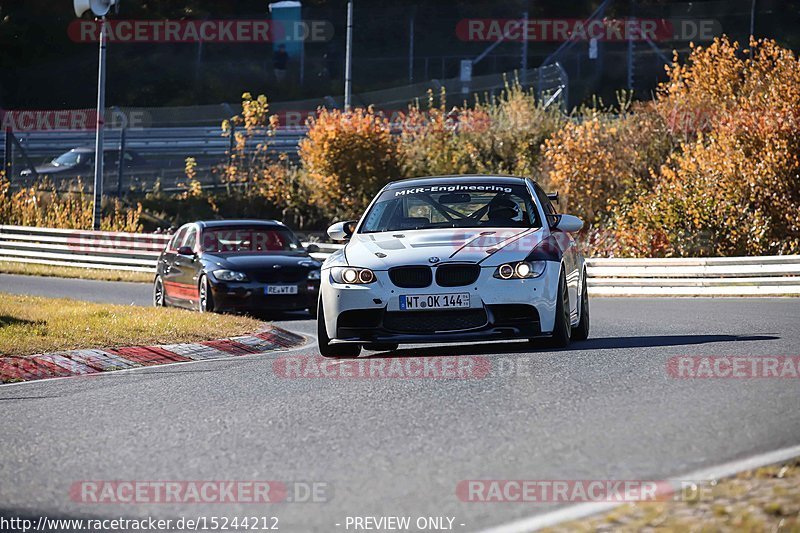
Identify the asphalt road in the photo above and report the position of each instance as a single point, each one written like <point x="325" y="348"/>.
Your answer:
<point x="604" y="409"/>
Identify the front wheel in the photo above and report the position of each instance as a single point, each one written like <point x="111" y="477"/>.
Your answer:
<point x="158" y="292"/>
<point x="581" y="331"/>
<point x="205" y="300"/>
<point x="562" y="329"/>
<point x="326" y="349"/>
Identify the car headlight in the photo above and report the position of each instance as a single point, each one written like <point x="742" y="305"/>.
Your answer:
<point x="352" y="275"/>
<point x="230" y="275"/>
<point x="314" y="275"/>
<point x="520" y="270"/>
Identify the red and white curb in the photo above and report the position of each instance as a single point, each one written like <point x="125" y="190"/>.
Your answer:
<point x="15" y="369"/>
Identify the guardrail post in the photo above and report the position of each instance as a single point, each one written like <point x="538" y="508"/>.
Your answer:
<point x="232" y="146"/>
<point x="24" y="153"/>
<point x="121" y="160"/>
<point x="7" y="154"/>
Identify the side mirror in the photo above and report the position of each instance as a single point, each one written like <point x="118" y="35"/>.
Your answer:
<point x="312" y="248"/>
<point x="186" y="250"/>
<point x="569" y="223"/>
<point x="341" y="231"/>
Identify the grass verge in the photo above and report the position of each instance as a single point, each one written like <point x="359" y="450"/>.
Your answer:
<point x="28" y="269"/>
<point x="30" y="325"/>
<point x="765" y="499"/>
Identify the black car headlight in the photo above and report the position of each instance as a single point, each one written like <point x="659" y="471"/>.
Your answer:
<point x="352" y="275"/>
<point x="230" y="275"/>
<point x="314" y="275"/>
<point x="520" y="270"/>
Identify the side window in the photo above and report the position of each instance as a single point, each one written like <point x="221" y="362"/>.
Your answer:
<point x="191" y="238"/>
<point x="549" y="211"/>
<point x="178" y="238"/>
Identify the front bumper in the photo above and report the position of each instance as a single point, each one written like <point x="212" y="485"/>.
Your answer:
<point x="251" y="296"/>
<point x="499" y="310"/>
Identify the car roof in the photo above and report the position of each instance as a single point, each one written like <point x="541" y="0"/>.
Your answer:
<point x="214" y="224"/>
<point x="90" y="149"/>
<point x="455" y="179"/>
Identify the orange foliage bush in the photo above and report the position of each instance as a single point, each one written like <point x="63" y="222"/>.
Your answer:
<point x="710" y="167"/>
<point x="733" y="189"/>
<point x="348" y="156"/>
<point x="603" y="159"/>
<point x="45" y="207"/>
<point x="502" y="135"/>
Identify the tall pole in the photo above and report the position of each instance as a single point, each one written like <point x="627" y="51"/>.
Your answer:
<point x="7" y="155"/>
<point x="524" y="62"/>
<point x="752" y="25"/>
<point x="411" y="50"/>
<point x="348" y="66"/>
<point x="101" y="109"/>
<point x="630" y="53"/>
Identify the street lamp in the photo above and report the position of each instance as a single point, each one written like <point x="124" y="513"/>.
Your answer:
<point x="348" y="63"/>
<point x="99" y="9"/>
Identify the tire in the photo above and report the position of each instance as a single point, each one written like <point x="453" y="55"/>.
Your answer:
<point x="382" y="346"/>
<point x="562" y="329"/>
<point x="581" y="331"/>
<point x="205" y="301"/>
<point x="326" y="349"/>
<point x="158" y="293"/>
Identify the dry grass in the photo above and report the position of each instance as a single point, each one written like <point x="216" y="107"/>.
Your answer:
<point x="31" y="325"/>
<point x="28" y="269"/>
<point x="766" y="499"/>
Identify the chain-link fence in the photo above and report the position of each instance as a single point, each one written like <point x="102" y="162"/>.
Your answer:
<point x="566" y="52"/>
<point x="155" y="142"/>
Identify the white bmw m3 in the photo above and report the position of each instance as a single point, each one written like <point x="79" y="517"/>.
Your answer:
<point x="453" y="259"/>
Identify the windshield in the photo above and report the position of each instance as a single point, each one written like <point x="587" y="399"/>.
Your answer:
<point x="466" y="205"/>
<point x="70" y="159"/>
<point x="249" y="240"/>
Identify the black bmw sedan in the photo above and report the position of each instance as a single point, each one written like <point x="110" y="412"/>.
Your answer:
<point x="237" y="265"/>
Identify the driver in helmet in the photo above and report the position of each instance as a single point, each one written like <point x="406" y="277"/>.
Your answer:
<point x="503" y="211"/>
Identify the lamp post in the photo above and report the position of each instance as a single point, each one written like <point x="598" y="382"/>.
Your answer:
<point x="99" y="9"/>
<point x="348" y="65"/>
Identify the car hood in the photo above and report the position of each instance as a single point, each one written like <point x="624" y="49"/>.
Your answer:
<point x="493" y="246"/>
<point x="247" y="262"/>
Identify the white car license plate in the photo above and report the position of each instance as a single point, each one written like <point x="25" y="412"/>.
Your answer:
<point x="281" y="289"/>
<point x="434" y="301"/>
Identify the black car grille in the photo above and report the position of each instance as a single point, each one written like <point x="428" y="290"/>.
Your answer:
<point x="457" y="275"/>
<point x="279" y="275"/>
<point x="428" y="322"/>
<point x="411" y="277"/>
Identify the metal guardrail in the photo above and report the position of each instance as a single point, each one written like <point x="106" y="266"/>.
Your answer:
<point x="84" y="249"/>
<point x="713" y="276"/>
<point x="181" y="142"/>
<point x="716" y="276"/>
